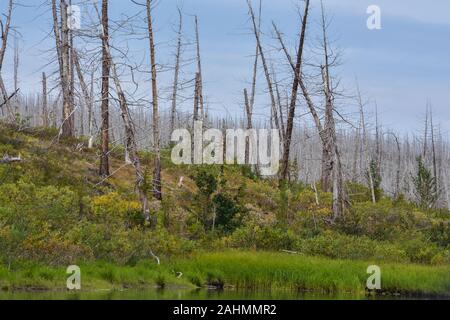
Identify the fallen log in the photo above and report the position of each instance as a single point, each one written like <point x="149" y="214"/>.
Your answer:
<point x="8" y="159"/>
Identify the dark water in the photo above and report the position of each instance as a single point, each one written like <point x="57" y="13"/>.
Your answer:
<point x="182" y="294"/>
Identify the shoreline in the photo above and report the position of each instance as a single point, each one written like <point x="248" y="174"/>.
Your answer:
<point x="238" y="271"/>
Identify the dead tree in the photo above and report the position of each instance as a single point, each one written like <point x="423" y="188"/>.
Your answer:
<point x="84" y="88"/>
<point x="331" y="159"/>
<point x="265" y="67"/>
<point x="425" y="136"/>
<point x="196" y="98"/>
<point x="378" y="141"/>
<point x="255" y="64"/>
<point x="91" y="112"/>
<point x="5" y="29"/>
<point x="199" y="70"/>
<point x="45" y="116"/>
<point x="157" y="191"/>
<point x="399" y="164"/>
<point x="294" y="94"/>
<point x="130" y="130"/>
<point x="279" y="103"/>
<point x="366" y="146"/>
<point x="106" y="66"/>
<point x="433" y="153"/>
<point x="248" y="111"/>
<point x="177" y="72"/>
<point x="71" y="73"/>
<point x="61" y="34"/>
<point x="16" y="72"/>
<point x="250" y="102"/>
<point x="356" y="156"/>
<point x="8" y="159"/>
<point x="332" y="176"/>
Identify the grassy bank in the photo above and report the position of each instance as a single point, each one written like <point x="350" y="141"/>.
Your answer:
<point x="242" y="270"/>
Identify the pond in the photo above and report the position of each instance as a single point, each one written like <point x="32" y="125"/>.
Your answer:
<point x="184" y="294"/>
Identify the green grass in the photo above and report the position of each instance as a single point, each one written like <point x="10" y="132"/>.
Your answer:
<point x="261" y="270"/>
<point x="242" y="270"/>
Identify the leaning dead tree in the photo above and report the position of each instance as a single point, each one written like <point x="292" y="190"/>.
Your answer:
<point x="88" y="100"/>
<point x="294" y="94"/>
<point x="62" y="37"/>
<point x="157" y="190"/>
<point x="5" y="29"/>
<point x="266" y="69"/>
<point x="332" y="179"/>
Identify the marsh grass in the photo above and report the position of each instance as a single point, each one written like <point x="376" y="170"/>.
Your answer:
<point x="265" y="270"/>
<point x="243" y="270"/>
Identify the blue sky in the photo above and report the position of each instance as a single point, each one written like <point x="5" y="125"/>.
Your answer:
<point x="400" y="66"/>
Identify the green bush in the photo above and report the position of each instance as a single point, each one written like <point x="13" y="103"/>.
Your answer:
<point x="338" y="246"/>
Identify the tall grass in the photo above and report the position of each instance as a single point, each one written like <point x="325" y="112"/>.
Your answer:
<point x="241" y="269"/>
<point x="261" y="270"/>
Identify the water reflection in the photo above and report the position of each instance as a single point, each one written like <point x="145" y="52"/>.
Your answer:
<point x="183" y="294"/>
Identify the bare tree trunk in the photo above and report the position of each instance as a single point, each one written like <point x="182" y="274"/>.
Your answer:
<point x="293" y="104"/>
<point x="6" y="99"/>
<point x="329" y="147"/>
<point x="16" y="73"/>
<point x="44" y="101"/>
<point x="446" y="188"/>
<point x="433" y="153"/>
<point x="366" y="146"/>
<point x="67" y="128"/>
<point x="106" y="66"/>
<point x="425" y="136"/>
<point x="196" y="98"/>
<point x="71" y="77"/>
<point x="250" y="102"/>
<point x="355" y="155"/>
<point x="84" y="88"/>
<point x="309" y="102"/>
<point x="5" y="28"/>
<point x="399" y="164"/>
<point x="249" y="125"/>
<point x="379" y="142"/>
<point x="331" y="162"/>
<point x="266" y="69"/>
<point x="279" y="104"/>
<point x="199" y="70"/>
<point x="177" y="72"/>
<point x="90" y="112"/>
<point x="195" y="113"/>
<point x="130" y="130"/>
<point x="157" y="191"/>
<point x="255" y="64"/>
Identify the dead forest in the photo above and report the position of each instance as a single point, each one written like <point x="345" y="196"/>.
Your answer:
<point x="331" y="137"/>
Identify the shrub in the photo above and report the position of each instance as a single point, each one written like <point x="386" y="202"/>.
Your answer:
<point x="262" y="237"/>
<point x="338" y="246"/>
<point x="226" y="210"/>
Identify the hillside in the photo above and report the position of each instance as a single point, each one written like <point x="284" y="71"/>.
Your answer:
<point x="55" y="211"/>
